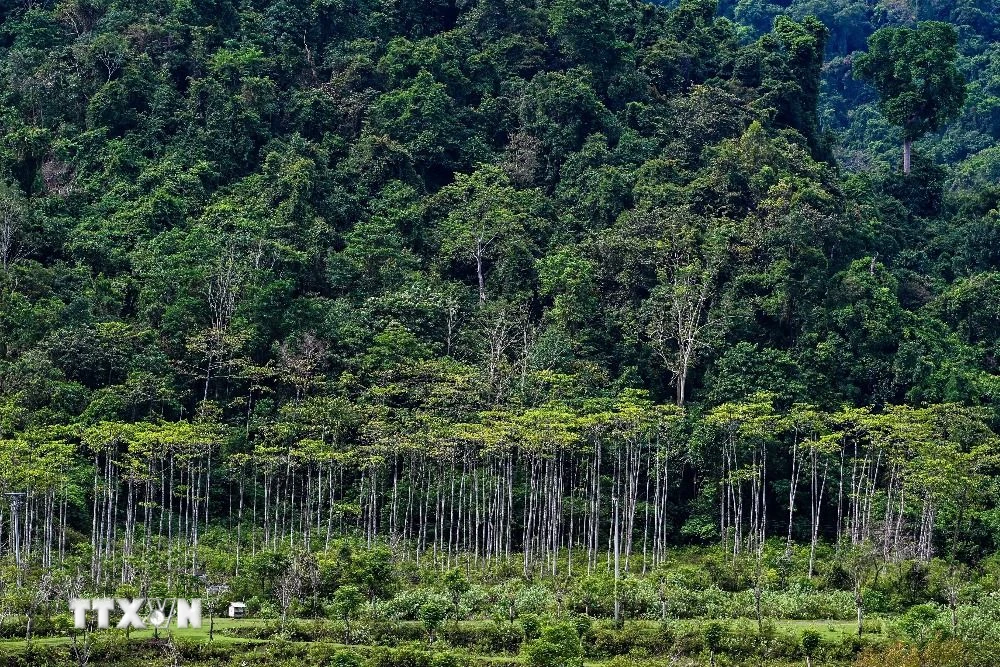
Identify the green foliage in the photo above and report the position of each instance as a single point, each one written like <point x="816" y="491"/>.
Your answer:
<point x="918" y="622"/>
<point x="714" y="634"/>
<point x="432" y="614"/>
<point x="558" y="646"/>
<point x="919" y="85"/>
<point x="347" y="600"/>
<point x="457" y="585"/>
<point x="410" y="309"/>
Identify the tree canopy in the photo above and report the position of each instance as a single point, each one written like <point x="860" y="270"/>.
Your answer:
<point x="914" y="71"/>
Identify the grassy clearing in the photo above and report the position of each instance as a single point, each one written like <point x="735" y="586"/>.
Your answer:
<point x="831" y="631"/>
<point x="201" y="633"/>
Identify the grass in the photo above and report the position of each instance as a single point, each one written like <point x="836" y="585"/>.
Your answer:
<point x="831" y="631"/>
<point x="188" y="633"/>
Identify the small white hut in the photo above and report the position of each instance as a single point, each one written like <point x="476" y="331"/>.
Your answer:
<point x="237" y="609"/>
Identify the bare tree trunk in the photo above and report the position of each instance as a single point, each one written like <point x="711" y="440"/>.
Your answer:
<point x="859" y="603"/>
<point x="792" y="488"/>
<point x="479" y="272"/>
<point x="10" y="228"/>
<point x="617" y="549"/>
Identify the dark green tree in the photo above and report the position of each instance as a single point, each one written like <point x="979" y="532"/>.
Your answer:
<point x="810" y="644"/>
<point x="914" y="71"/>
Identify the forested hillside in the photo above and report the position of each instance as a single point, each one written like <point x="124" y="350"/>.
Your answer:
<point x="552" y="289"/>
<point x="864" y="139"/>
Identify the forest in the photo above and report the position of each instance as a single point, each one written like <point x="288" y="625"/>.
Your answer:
<point x="468" y="333"/>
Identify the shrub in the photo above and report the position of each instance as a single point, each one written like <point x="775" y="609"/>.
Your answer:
<point x="450" y="659"/>
<point x="531" y="626"/>
<point x="502" y="638"/>
<point x="109" y="647"/>
<point x="391" y="633"/>
<point x="715" y="634"/>
<point x="938" y="654"/>
<point x="432" y="614"/>
<point x="475" y="600"/>
<point x="872" y="625"/>
<point x="406" y="606"/>
<point x="981" y="622"/>
<point x="534" y="600"/>
<point x="490" y="638"/>
<point x="920" y="622"/>
<point x="558" y="646"/>
<point x="405" y="656"/>
<point x="810" y="644"/>
<point x="583" y="624"/>
<point x="604" y="641"/>
<point x="202" y="651"/>
<point x="345" y="659"/>
<point x="875" y="601"/>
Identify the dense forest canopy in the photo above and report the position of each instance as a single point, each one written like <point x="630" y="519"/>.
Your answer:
<point x="494" y="280"/>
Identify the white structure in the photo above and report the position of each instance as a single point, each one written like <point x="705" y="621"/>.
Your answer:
<point x="237" y="609"/>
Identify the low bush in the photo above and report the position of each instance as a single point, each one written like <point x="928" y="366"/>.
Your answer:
<point x="606" y="641"/>
<point x="403" y="656"/>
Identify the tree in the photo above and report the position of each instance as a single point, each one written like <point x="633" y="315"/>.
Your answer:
<point x="714" y="634"/>
<point x="457" y="585"/>
<point x="487" y="220"/>
<point x="422" y="118"/>
<point x="578" y="25"/>
<point x="913" y="70"/>
<point x="216" y="601"/>
<point x="810" y="643"/>
<point x="324" y="294"/>
<point x="861" y="565"/>
<point x="918" y="623"/>
<point x="347" y="601"/>
<point x="432" y="613"/>
<point x="794" y="51"/>
<point x="680" y="321"/>
<point x="81" y="650"/>
<point x="288" y="589"/>
<point x="376" y="573"/>
<point x="950" y="578"/>
<point x="12" y="214"/>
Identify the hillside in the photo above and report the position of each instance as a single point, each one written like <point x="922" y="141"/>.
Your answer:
<point x="543" y="291"/>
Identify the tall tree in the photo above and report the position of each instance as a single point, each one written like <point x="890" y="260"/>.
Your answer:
<point x="486" y="220"/>
<point x="918" y="83"/>
<point x="680" y="321"/>
<point x="11" y="226"/>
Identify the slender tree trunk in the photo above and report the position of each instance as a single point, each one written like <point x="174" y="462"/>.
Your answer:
<point x="792" y="488"/>
<point x="479" y="273"/>
<point x="617" y="549"/>
<point x="907" y="145"/>
<point x="858" y="602"/>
